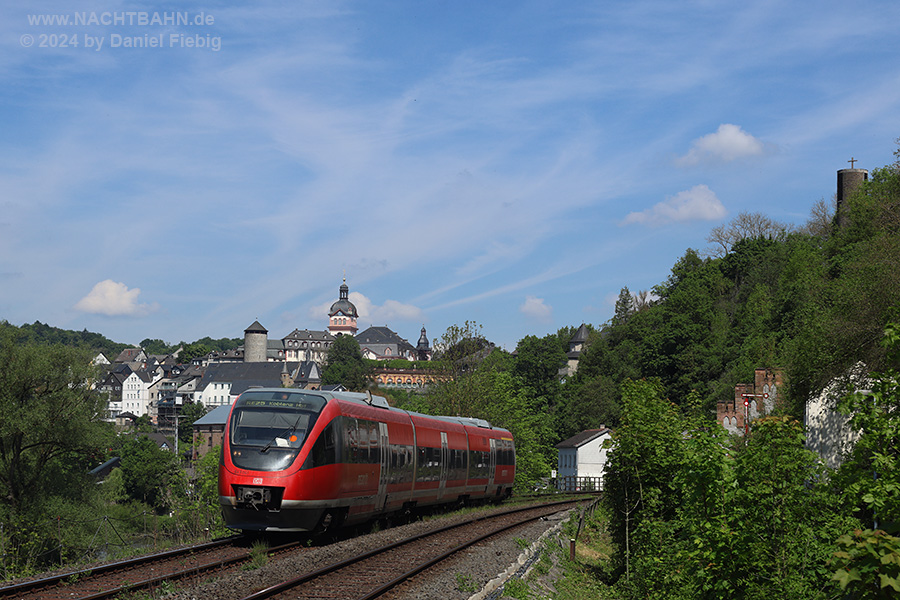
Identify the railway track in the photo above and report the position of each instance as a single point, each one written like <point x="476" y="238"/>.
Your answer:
<point x="375" y="573"/>
<point x="151" y="571"/>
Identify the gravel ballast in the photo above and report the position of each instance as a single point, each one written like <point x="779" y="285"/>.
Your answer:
<point x="475" y="572"/>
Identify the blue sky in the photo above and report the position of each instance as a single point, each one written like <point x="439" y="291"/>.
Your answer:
<point x="511" y="163"/>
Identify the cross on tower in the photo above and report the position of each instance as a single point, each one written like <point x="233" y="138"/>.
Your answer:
<point x="852" y="162"/>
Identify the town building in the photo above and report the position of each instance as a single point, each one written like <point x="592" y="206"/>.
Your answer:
<point x="381" y="343"/>
<point x="209" y="430"/>
<point x="222" y="383"/>
<point x="828" y="431"/>
<point x="581" y="460"/>
<point x="577" y="345"/>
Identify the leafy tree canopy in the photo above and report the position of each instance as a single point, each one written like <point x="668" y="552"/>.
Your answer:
<point x="344" y="364"/>
<point x="50" y="420"/>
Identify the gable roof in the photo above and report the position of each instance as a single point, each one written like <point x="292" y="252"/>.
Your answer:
<point x="580" y="439"/>
<point x="131" y="355"/>
<point x="243" y="376"/>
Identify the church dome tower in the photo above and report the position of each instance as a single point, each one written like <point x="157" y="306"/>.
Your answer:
<point x="423" y="351"/>
<point x="342" y="316"/>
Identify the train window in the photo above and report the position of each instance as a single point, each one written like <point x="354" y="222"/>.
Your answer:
<point x="351" y="440"/>
<point x="324" y="451"/>
<point x="372" y="434"/>
<point x="267" y="439"/>
<point x="479" y="467"/>
<point x="402" y="472"/>
<point x="268" y="428"/>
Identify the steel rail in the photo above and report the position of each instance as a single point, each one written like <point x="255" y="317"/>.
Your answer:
<point x="191" y="571"/>
<point x="286" y="585"/>
<point x="27" y="586"/>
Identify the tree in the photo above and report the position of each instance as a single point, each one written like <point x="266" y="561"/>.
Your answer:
<point x="624" y="306"/>
<point x="190" y="412"/>
<point x="192" y="351"/>
<point x="51" y="435"/>
<point x="821" y="218"/>
<point x="461" y="348"/>
<point x="50" y="416"/>
<point x="538" y="362"/>
<point x="745" y="226"/>
<point x="639" y="485"/>
<point x="155" y="346"/>
<point x="344" y="364"/>
<point x="871" y="473"/>
<point x="147" y="471"/>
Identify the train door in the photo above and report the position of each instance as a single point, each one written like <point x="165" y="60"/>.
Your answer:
<point x="385" y="446"/>
<point x="445" y="464"/>
<point x="492" y="461"/>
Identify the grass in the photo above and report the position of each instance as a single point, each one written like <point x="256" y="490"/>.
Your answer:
<point x="259" y="556"/>
<point x="466" y="584"/>
<point x="555" y="576"/>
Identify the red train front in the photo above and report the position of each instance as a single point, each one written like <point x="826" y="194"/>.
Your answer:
<point x="302" y="460"/>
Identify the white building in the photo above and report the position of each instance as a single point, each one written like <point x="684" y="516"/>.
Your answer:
<point x="136" y="393"/>
<point x="582" y="460"/>
<point x="828" y="432"/>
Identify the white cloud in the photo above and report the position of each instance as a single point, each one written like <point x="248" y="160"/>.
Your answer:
<point x="696" y="204"/>
<point x="728" y="143"/>
<point x="397" y="311"/>
<point x="114" y="299"/>
<point x="536" y="308"/>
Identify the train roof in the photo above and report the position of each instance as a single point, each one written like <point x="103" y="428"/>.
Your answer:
<point x="382" y="402"/>
<point x="369" y="399"/>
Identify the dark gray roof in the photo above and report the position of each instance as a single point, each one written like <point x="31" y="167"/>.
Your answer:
<point x="309" y="335"/>
<point x="216" y="416"/>
<point x="256" y="327"/>
<point x="382" y="335"/>
<point x="581" y="335"/>
<point x="343" y="305"/>
<point x="243" y="375"/>
<point x="580" y="439"/>
<point x="423" y="341"/>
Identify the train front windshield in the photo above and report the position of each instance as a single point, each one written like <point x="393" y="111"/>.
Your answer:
<point x="268" y="428"/>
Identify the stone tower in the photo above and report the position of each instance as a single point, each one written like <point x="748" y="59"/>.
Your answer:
<point x="848" y="181"/>
<point x="256" y="340"/>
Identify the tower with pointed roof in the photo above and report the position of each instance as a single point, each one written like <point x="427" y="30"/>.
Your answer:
<point x="342" y="316"/>
<point x="423" y="350"/>
<point x="256" y="339"/>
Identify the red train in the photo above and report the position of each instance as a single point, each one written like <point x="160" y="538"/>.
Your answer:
<point x="305" y="460"/>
